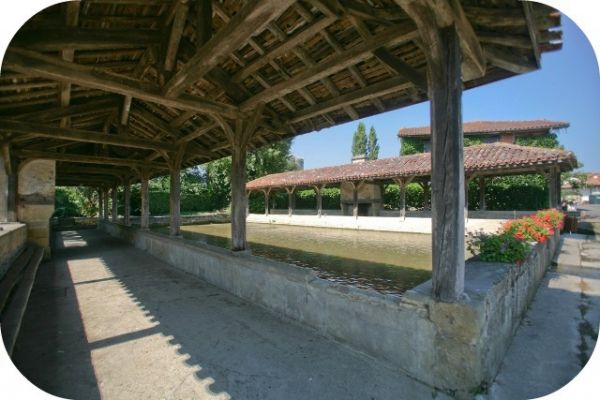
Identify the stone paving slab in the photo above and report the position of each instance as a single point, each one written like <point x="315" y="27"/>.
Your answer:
<point x="106" y="320"/>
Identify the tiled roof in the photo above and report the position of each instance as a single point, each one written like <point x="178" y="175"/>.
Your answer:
<point x="490" y="127"/>
<point x="593" y="179"/>
<point x="495" y="158"/>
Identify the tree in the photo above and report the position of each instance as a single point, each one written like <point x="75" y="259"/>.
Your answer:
<point x="359" y="141"/>
<point x="372" y="145"/>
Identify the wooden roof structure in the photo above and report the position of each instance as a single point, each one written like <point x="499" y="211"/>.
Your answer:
<point x="107" y="87"/>
<point x="483" y="160"/>
<point x="492" y="128"/>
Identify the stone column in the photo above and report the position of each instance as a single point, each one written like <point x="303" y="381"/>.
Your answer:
<point x="355" y="199"/>
<point x="447" y="176"/>
<point x="114" y="216"/>
<point x="127" y="205"/>
<point x="145" y="197"/>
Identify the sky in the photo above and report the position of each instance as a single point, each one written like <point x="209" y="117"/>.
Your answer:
<point x="566" y="88"/>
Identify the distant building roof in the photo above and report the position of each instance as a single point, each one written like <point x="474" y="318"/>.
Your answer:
<point x="490" y="127"/>
<point x="593" y="179"/>
<point x="488" y="159"/>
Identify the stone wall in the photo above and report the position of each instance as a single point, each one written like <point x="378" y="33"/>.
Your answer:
<point x="454" y="347"/>
<point x="36" y="200"/>
<point x="12" y="242"/>
<point x="386" y="224"/>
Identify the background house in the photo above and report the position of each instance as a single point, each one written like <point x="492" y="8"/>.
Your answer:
<point x="417" y="140"/>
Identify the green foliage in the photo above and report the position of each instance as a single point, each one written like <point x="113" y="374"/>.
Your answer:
<point x="412" y="146"/>
<point x="549" y="141"/>
<point x="472" y="140"/>
<point x="521" y="192"/>
<point x="359" y="141"/>
<point x="75" y="201"/>
<point x="415" y="196"/>
<point x="502" y="247"/>
<point x="372" y="145"/>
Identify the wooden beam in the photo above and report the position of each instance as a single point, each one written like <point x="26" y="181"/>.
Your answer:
<point x="251" y="18"/>
<point x="335" y="63"/>
<point x="175" y="36"/>
<point x="446" y="13"/>
<point x="196" y="133"/>
<point x="30" y="62"/>
<point x="86" y="159"/>
<point x="204" y="17"/>
<point x="400" y="67"/>
<point x="384" y="16"/>
<point x="367" y="93"/>
<point x="125" y="110"/>
<point x="79" y="135"/>
<point x="298" y="37"/>
<point x="106" y="103"/>
<point x="533" y="31"/>
<point x="509" y="60"/>
<point x="57" y="39"/>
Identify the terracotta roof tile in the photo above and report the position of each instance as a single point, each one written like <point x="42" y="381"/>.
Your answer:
<point x="593" y="179"/>
<point x="491" y="127"/>
<point x="495" y="158"/>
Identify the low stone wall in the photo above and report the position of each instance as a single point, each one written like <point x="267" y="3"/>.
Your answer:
<point x="389" y="224"/>
<point x="13" y="237"/>
<point x="454" y="347"/>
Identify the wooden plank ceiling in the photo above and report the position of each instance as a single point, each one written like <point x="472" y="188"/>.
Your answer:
<point x="108" y="86"/>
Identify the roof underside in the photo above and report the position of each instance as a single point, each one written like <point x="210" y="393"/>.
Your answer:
<point x="492" y="127"/>
<point x="482" y="160"/>
<point x="129" y="83"/>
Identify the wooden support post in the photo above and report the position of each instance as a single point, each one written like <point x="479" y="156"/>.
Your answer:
<point x="175" y="202"/>
<point x="552" y="178"/>
<point x="145" y="197"/>
<point x="100" y="204"/>
<point x="291" y="199"/>
<point x="355" y="186"/>
<point x="558" y="188"/>
<point x="127" y="201"/>
<point x="482" y="205"/>
<point x="114" y="204"/>
<point x="267" y="192"/>
<point x="318" y="190"/>
<point x="11" y="168"/>
<point x="402" y="183"/>
<point x="105" y="204"/>
<point x="468" y="179"/>
<point x="447" y="175"/>
<point x="239" y="200"/>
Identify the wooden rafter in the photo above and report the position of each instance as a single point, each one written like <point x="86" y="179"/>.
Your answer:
<point x="79" y="135"/>
<point x="87" y="159"/>
<point x="26" y="61"/>
<point x="252" y="17"/>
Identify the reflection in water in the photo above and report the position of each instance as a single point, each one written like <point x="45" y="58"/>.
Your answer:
<point x="386" y="261"/>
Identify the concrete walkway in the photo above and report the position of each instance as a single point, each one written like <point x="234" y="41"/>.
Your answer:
<point x="106" y="320"/>
<point x="560" y="330"/>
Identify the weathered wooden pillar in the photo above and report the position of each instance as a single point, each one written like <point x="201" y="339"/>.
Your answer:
<point x="114" y="215"/>
<point x="402" y="183"/>
<point x="100" y="204"/>
<point x="552" y="178"/>
<point x="105" y="204"/>
<point x="127" y="201"/>
<point x="248" y="192"/>
<point x="175" y="161"/>
<point x="482" y="205"/>
<point x="175" y="203"/>
<point x="266" y="193"/>
<point x="145" y="197"/>
<point x="558" y="188"/>
<point x="355" y="187"/>
<point x="291" y="199"/>
<point x="10" y="191"/>
<point x="239" y="200"/>
<point x="318" y="190"/>
<point x="468" y="179"/>
<point x="447" y="175"/>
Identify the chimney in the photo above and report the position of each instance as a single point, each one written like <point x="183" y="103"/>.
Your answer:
<point x="359" y="159"/>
